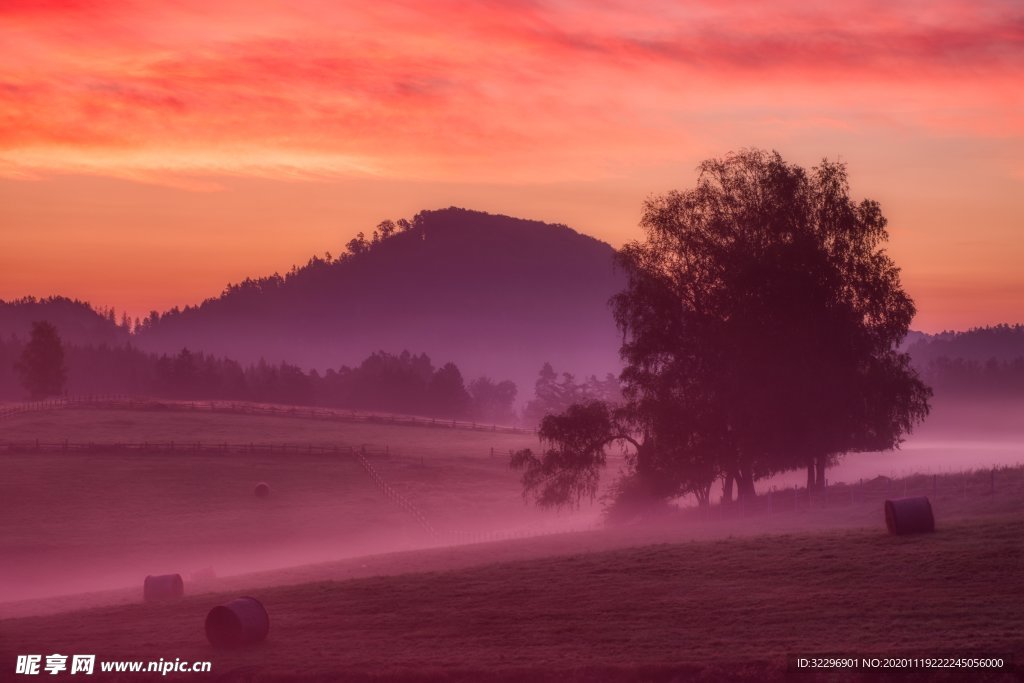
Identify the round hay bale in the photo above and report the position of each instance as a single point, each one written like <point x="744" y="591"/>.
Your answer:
<point x="241" y="622"/>
<point x="262" y="490"/>
<point x="162" y="587"/>
<point x="909" y="516"/>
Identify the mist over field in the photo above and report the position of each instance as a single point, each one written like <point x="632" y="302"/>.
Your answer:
<point x="80" y="530"/>
<point x="394" y="468"/>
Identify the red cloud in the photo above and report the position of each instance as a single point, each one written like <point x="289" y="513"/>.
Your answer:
<point x="571" y="89"/>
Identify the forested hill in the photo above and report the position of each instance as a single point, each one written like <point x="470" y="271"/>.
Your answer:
<point x="76" y="321"/>
<point x="981" y="362"/>
<point x="497" y="295"/>
<point x="1001" y="343"/>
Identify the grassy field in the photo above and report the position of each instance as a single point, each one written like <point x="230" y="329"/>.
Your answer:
<point x="357" y="591"/>
<point x="733" y="608"/>
<point x="103" y="426"/>
<point x="118" y="516"/>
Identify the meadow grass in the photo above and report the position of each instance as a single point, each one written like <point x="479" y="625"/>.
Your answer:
<point x="356" y="591"/>
<point x="117" y="515"/>
<point x="704" y="607"/>
<point x="183" y="427"/>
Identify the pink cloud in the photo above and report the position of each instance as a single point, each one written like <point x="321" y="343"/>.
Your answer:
<point x="559" y="90"/>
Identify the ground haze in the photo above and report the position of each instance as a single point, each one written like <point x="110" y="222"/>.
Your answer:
<point x="354" y="583"/>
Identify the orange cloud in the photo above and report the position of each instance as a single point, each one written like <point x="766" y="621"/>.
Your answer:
<point x="288" y="125"/>
<point x="560" y="90"/>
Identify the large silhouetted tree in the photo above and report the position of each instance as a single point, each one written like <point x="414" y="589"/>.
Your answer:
<point x="41" y="365"/>
<point x="761" y="322"/>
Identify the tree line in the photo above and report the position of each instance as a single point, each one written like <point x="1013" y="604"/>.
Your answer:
<point x="314" y="272"/>
<point x="407" y="383"/>
<point x="965" y="378"/>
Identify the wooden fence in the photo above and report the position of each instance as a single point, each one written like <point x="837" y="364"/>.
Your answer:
<point x="962" y="485"/>
<point x="249" y="408"/>
<point x="192" y="447"/>
<point x="394" y="495"/>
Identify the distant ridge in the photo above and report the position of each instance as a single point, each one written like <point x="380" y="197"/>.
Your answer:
<point x="1002" y="343"/>
<point x="77" y="322"/>
<point x="495" y="294"/>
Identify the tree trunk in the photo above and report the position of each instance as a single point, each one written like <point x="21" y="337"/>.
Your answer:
<point x="643" y="450"/>
<point x="703" y="494"/>
<point x="820" y="464"/>
<point x="816" y="468"/>
<point x="727" y="488"/>
<point x="745" y="486"/>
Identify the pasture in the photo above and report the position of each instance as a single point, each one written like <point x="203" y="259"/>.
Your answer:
<point x="118" y="514"/>
<point x="729" y="608"/>
<point x="358" y="589"/>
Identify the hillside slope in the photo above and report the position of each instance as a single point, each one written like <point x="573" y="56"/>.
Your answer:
<point x="497" y="295"/>
<point x="77" y="322"/>
<point x="731" y="609"/>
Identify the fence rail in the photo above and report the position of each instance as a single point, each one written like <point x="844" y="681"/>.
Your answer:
<point x="192" y="447"/>
<point x="251" y="408"/>
<point x="396" y="497"/>
<point x="949" y="485"/>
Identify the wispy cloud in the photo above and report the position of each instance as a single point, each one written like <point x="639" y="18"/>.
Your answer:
<point x="565" y="89"/>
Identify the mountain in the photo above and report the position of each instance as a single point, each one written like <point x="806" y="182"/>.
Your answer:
<point x="76" y="321"/>
<point x="497" y="295"/>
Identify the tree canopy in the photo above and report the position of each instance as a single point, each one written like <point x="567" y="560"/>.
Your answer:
<point x="761" y="323"/>
<point x="41" y="365"/>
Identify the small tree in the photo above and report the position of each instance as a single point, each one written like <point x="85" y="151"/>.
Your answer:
<point x="492" y="400"/>
<point x="446" y="392"/>
<point x="357" y="245"/>
<point x="42" y="363"/>
<point x="569" y="469"/>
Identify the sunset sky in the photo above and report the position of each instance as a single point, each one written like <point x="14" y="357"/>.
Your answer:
<point x="152" y="152"/>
